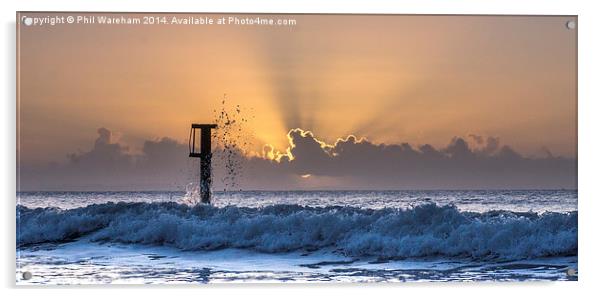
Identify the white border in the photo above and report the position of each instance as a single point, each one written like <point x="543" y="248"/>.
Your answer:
<point x="590" y="195"/>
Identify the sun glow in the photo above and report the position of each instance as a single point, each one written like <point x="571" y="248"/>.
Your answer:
<point x="271" y="153"/>
<point x="331" y="75"/>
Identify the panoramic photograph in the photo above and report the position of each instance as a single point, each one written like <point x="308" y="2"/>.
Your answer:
<point x="160" y="148"/>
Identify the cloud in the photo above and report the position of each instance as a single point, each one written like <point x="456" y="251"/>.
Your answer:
<point x="362" y="164"/>
<point x="477" y="138"/>
<point x="108" y="165"/>
<point x="485" y="145"/>
<point x="104" y="156"/>
<point x="308" y="163"/>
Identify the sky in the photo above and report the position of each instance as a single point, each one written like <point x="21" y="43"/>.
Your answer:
<point x="499" y="89"/>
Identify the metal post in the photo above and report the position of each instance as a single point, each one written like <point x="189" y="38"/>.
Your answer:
<point x="205" y="155"/>
<point x="205" y="165"/>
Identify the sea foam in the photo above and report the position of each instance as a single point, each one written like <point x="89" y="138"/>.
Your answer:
<point x="421" y="231"/>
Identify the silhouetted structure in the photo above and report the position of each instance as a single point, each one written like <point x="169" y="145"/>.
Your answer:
<point x="203" y="151"/>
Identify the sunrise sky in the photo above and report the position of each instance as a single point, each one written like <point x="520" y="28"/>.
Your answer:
<point x="391" y="79"/>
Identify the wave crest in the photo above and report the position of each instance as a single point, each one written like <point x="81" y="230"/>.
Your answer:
<point x="422" y="231"/>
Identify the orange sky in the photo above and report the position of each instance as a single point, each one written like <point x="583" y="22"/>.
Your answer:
<point x="416" y="79"/>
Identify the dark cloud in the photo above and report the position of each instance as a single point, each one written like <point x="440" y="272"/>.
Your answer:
<point x="104" y="156"/>
<point x="163" y="164"/>
<point x="491" y="145"/>
<point x="361" y="164"/>
<point x="310" y="163"/>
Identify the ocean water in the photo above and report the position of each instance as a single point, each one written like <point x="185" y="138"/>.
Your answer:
<point x="296" y="236"/>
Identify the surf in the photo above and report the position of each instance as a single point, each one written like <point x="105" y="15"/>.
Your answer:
<point x="426" y="230"/>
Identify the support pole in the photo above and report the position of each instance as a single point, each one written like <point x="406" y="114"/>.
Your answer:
<point x="205" y="185"/>
<point x="204" y="154"/>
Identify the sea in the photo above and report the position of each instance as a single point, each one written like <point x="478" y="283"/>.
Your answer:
<point x="296" y="236"/>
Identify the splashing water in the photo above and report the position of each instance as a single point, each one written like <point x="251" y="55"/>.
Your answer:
<point x="232" y="140"/>
<point x="192" y="196"/>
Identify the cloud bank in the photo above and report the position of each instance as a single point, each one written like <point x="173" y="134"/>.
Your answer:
<point x="476" y="162"/>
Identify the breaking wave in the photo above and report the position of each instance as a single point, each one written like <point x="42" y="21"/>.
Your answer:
<point x="422" y="231"/>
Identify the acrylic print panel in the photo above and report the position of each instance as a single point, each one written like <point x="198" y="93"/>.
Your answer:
<point x="204" y="148"/>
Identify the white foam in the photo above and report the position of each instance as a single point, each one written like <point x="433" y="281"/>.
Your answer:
<point x="423" y="231"/>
